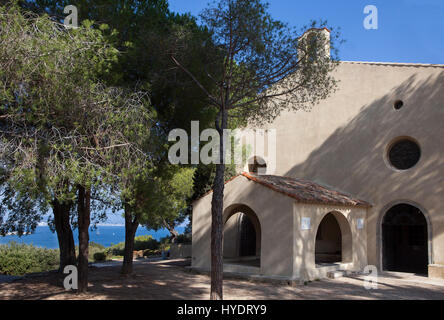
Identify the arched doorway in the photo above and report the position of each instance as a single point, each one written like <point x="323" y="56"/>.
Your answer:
<point x="333" y="240"/>
<point x="405" y="240"/>
<point x="242" y="236"/>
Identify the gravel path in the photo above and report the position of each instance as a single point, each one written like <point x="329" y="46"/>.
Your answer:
<point x="170" y="280"/>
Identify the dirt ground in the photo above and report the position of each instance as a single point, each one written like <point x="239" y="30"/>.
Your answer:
<point x="170" y="280"/>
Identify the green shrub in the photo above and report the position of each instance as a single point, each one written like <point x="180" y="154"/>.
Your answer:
<point x="93" y="249"/>
<point x="150" y="253"/>
<point x="145" y="242"/>
<point x="94" y="245"/>
<point x="184" y="238"/>
<point x="165" y="240"/>
<point x="18" y="259"/>
<point x="115" y="250"/>
<point x="100" y="256"/>
<point x="140" y="243"/>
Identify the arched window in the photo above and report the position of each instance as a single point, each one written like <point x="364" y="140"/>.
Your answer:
<point x="257" y="165"/>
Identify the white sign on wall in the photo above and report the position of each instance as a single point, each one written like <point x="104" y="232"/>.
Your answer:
<point x="305" y="223"/>
<point x="360" y="223"/>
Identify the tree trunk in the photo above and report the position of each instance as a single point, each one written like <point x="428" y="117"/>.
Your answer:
<point x="64" y="233"/>
<point x="216" y="219"/>
<point x="130" y="232"/>
<point x="171" y="229"/>
<point x="83" y="206"/>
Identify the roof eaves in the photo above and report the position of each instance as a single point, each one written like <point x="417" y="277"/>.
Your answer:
<point x="360" y="204"/>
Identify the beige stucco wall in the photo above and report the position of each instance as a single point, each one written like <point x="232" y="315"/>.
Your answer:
<point x="354" y="240"/>
<point x="275" y="214"/>
<point x="286" y="250"/>
<point x="342" y="143"/>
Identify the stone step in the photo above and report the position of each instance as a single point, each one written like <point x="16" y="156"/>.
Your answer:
<point x="336" y="274"/>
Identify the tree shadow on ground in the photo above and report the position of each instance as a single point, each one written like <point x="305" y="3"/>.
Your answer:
<point x="169" y="280"/>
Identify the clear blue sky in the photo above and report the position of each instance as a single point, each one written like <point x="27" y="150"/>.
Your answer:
<point x="408" y="30"/>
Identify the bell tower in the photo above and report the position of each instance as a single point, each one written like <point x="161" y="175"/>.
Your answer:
<point x="315" y="43"/>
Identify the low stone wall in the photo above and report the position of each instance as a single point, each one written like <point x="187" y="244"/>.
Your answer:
<point x="180" y="251"/>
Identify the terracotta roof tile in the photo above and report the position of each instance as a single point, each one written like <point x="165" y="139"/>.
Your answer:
<point x="305" y="191"/>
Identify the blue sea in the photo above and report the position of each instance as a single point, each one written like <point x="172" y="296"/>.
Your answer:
<point x="105" y="235"/>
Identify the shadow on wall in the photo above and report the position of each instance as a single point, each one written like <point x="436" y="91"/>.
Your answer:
<point x="353" y="160"/>
<point x="351" y="149"/>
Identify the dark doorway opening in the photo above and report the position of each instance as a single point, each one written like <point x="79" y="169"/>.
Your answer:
<point x="242" y="237"/>
<point x="404" y="240"/>
<point x="328" y="248"/>
<point x="247" y="237"/>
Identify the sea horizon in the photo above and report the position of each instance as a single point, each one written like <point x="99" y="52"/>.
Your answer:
<point x="104" y="234"/>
